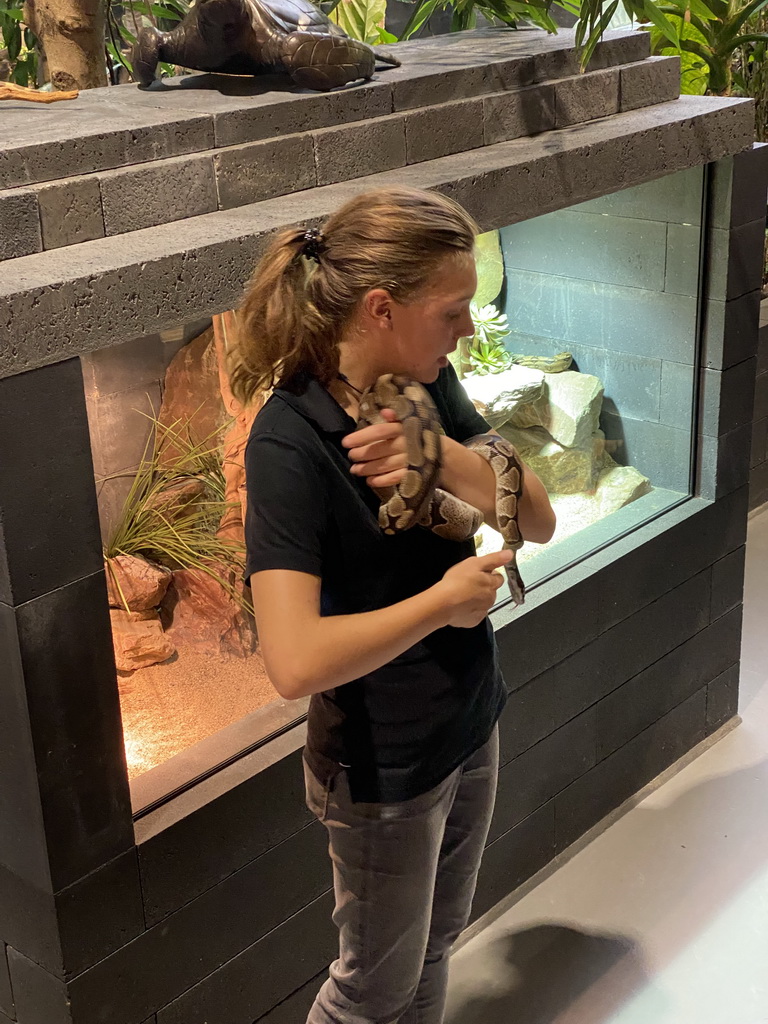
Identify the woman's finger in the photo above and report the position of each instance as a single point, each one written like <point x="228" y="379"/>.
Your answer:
<point x="387" y="480"/>
<point x="376" y="467"/>
<point x="368" y="435"/>
<point x="378" y="450"/>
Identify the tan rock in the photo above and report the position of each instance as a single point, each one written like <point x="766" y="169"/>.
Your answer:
<point x="199" y="611"/>
<point x="617" y="486"/>
<point x="575" y="402"/>
<point x="499" y="396"/>
<point x="138" y="639"/>
<point x="136" y="582"/>
<point x="564" y="470"/>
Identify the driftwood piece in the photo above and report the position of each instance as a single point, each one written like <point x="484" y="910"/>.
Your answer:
<point x="11" y="91"/>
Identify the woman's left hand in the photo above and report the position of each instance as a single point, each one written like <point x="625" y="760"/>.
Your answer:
<point x="378" y="453"/>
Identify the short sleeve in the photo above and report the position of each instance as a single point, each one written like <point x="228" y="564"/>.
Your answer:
<point x="286" y="508"/>
<point x="460" y="418"/>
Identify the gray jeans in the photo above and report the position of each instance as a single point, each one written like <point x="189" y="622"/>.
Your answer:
<point x="404" y="878"/>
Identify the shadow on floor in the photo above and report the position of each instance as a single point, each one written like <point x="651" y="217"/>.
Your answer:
<point x="542" y="974"/>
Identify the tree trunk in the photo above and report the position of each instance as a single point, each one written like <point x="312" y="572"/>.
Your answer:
<point x="71" y="35"/>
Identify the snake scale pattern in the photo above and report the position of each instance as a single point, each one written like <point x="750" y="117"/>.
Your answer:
<point x="417" y="500"/>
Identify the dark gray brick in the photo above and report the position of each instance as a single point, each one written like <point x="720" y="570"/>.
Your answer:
<point x="523" y="112"/>
<point x="62" y="144"/>
<point x="583" y="677"/>
<point x="19" y="224"/>
<point x="100" y="913"/>
<point x="56" y="508"/>
<point x="181" y="861"/>
<point x="659" y="451"/>
<point x="514" y="857"/>
<point x="586" y="97"/>
<point x="279" y="113"/>
<point x="257" y="980"/>
<point x="39" y="997"/>
<point x="722" y="698"/>
<point x="683" y="259"/>
<point x="249" y="174"/>
<point x="723" y="463"/>
<point x="351" y="151"/>
<point x="647" y="697"/>
<point x="762" y="347"/>
<point x="150" y="972"/>
<point x="739" y="186"/>
<point x="758" y="486"/>
<point x="297" y="1005"/>
<point x="673" y="199"/>
<point x="439" y="131"/>
<point x="759" y="450"/>
<point x="761" y="396"/>
<point x="633" y="385"/>
<point x="6" y="995"/>
<point x="654" y="80"/>
<point x="158" y="193"/>
<point x="730" y="330"/>
<point x="727" y="583"/>
<point x="571" y="244"/>
<point x="74" y="722"/>
<point x="735" y="260"/>
<point x="727" y="398"/>
<point x="618" y="777"/>
<point x="27" y="911"/>
<point x="676" y="397"/>
<point x="532" y="778"/>
<point x="70" y="212"/>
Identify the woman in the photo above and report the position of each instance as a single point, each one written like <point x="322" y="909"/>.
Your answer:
<point x="389" y="634"/>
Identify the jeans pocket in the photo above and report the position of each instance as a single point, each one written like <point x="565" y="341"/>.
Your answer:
<point x="316" y="794"/>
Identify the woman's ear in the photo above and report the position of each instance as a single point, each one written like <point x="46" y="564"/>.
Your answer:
<point x="377" y="304"/>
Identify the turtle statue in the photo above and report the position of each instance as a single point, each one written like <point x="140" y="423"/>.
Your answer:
<point x="256" y="37"/>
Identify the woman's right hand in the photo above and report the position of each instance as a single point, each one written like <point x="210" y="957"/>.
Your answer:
<point x="470" y="586"/>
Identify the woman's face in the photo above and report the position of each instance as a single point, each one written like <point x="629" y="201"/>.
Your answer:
<point x="426" y="328"/>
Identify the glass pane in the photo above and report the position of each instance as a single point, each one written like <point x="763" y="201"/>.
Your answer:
<point x="168" y="443"/>
<point x="593" y="378"/>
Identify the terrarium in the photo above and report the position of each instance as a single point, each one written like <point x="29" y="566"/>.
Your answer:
<point x="583" y="357"/>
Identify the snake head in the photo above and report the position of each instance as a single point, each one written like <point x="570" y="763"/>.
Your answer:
<point x="146" y="55"/>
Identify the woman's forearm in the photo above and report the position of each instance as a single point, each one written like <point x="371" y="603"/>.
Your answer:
<point x="470" y="477"/>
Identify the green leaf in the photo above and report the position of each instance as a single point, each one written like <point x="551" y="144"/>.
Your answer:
<point x="597" y="34"/>
<point x="490" y="268"/>
<point x="361" y="19"/>
<point x="423" y="13"/>
<point x="14" y="13"/>
<point x="662" y="23"/>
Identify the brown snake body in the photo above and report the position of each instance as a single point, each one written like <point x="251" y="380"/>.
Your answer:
<point x="417" y="500"/>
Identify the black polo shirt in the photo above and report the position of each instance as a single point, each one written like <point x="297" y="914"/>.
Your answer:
<point x="400" y="730"/>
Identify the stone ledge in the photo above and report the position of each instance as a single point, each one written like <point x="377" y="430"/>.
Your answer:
<point x="194" y="114"/>
<point x="166" y="190"/>
<point x="109" y="290"/>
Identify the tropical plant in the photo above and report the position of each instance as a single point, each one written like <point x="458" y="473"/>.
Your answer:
<point x="711" y="36"/>
<point x="172" y="531"/>
<point x="126" y="18"/>
<point x="20" y="42"/>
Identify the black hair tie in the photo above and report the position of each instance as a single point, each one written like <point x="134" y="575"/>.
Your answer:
<point x="314" y="244"/>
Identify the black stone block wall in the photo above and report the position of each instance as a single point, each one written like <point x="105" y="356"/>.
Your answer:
<point x="758" y="479"/>
<point x="216" y="909"/>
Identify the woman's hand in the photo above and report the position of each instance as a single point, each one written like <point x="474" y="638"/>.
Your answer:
<point x="378" y="453"/>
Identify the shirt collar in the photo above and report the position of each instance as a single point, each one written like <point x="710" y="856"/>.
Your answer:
<point x="315" y="403"/>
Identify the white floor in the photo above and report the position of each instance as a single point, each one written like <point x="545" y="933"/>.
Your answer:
<point x="662" y="919"/>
